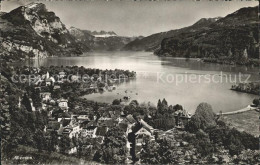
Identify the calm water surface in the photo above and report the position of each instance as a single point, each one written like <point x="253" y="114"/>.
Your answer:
<point x="152" y="73"/>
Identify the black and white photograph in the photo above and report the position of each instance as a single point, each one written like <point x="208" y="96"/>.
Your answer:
<point x="129" y="82"/>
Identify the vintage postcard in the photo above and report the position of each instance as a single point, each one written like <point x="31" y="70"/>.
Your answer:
<point x="130" y="82"/>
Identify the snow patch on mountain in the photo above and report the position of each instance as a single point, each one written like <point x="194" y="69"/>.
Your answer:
<point x="105" y="35"/>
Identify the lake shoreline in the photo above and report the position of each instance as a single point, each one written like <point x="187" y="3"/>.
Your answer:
<point x="149" y="89"/>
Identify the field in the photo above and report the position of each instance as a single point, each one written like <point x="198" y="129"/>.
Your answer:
<point x="246" y="121"/>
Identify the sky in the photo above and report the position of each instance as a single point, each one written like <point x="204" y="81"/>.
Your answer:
<point x="134" y="18"/>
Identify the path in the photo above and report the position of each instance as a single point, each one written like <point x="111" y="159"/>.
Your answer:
<point x="248" y="108"/>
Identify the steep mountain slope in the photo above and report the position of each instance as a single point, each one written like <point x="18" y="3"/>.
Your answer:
<point x="100" y="41"/>
<point x="152" y="42"/>
<point x="34" y="31"/>
<point x="234" y="36"/>
<point x="82" y="36"/>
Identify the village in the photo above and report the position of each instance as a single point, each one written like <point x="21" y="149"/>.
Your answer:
<point x="123" y="131"/>
<point x="85" y="123"/>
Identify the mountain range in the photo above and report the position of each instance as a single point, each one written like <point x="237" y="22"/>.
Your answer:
<point x="213" y="37"/>
<point x="33" y="31"/>
<point x="101" y="41"/>
<point x="152" y="42"/>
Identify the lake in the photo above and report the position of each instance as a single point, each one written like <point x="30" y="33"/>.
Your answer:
<point x="178" y="80"/>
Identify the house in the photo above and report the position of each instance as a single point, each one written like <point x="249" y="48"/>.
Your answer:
<point x="63" y="104"/>
<point x="89" y="131"/>
<point x="138" y="134"/>
<point x="142" y="131"/>
<point x="56" y="112"/>
<point x="101" y="131"/>
<point x="72" y="150"/>
<point x="53" y="125"/>
<point x="56" y="87"/>
<point x="75" y="78"/>
<point x="74" y="120"/>
<point x="66" y="131"/>
<point x="83" y="117"/>
<point x="44" y="106"/>
<point x="75" y="131"/>
<point x="108" y="122"/>
<point x="93" y="86"/>
<point x="62" y="75"/>
<point x="46" y="96"/>
<point x="64" y="115"/>
<point x="100" y="134"/>
<point x="49" y="82"/>
<point x="141" y="134"/>
<point x="181" y="118"/>
<point x="52" y="102"/>
<point x="71" y="131"/>
<point x="130" y="119"/>
<point x="102" y="119"/>
<point x="119" y="119"/>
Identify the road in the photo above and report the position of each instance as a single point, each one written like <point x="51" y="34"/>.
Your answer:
<point x="248" y="108"/>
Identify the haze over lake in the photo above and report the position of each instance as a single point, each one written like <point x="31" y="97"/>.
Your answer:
<point x="149" y="87"/>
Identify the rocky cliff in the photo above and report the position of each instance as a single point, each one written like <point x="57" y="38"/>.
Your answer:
<point x="34" y="31"/>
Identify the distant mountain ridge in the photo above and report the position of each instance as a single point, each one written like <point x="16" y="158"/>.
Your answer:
<point x="100" y="41"/>
<point x="217" y="37"/>
<point x="32" y="30"/>
<point x="152" y="42"/>
<point x="234" y="37"/>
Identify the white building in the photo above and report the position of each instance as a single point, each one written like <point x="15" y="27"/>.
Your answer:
<point x="89" y="132"/>
<point x="62" y="74"/>
<point x="46" y="96"/>
<point x="63" y="104"/>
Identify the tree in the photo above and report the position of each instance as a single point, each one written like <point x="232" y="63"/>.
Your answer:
<point x="116" y="102"/>
<point x="26" y="102"/>
<point x="256" y="102"/>
<point x="40" y="140"/>
<point x="36" y="98"/>
<point x="204" y="117"/>
<point x="52" y="141"/>
<point x="64" y="144"/>
<point x="230" y="54"/>
<point x="202" y="143"/>
<point x="159" y="104"/>
<point x="113" y="150"/>
<point x="244" y="57"/>
<point x="164" y="102"/>
<point x="134" y="103"/>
